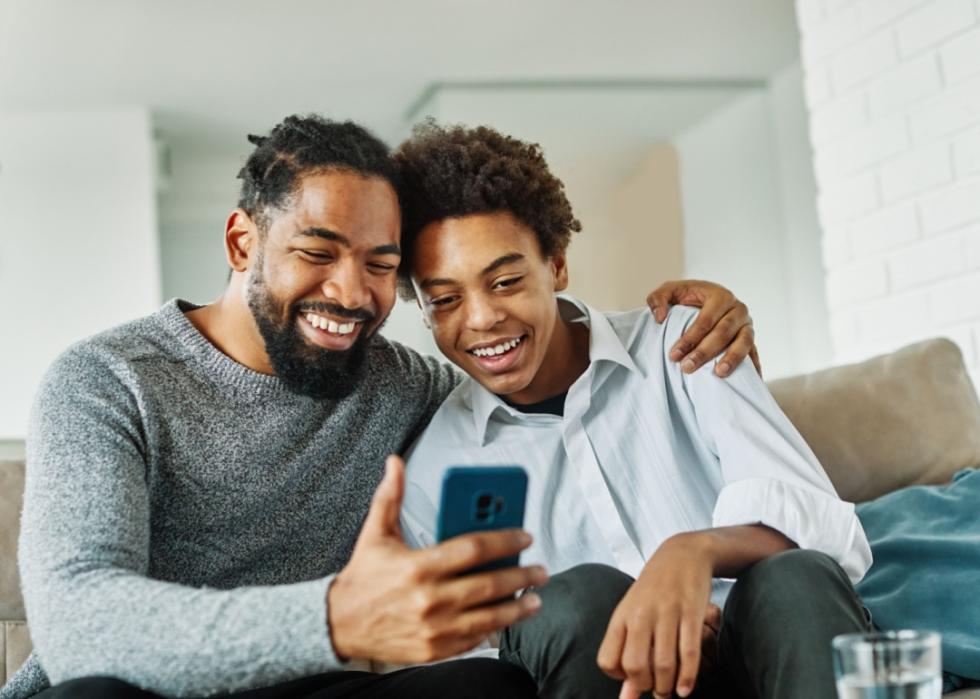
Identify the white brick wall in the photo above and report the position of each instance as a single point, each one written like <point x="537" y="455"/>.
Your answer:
<point x="893" y="91"/>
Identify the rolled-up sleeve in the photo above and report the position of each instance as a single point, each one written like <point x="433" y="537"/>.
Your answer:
<point x="770" y="474"/>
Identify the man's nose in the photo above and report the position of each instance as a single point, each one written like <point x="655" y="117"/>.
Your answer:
<point x="347" y="285"/>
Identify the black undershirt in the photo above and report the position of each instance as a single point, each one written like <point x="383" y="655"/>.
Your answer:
<point x="551" y="406"/>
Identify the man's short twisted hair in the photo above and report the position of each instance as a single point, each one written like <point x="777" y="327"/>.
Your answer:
<point x="304" y="145"/>
<point x="453" y="171"/>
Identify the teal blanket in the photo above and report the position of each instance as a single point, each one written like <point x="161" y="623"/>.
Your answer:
<point x="926" y="571"/>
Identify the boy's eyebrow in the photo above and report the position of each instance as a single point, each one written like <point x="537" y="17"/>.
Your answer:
<point x="499" y="262"/>
<point x="327" y="234"/>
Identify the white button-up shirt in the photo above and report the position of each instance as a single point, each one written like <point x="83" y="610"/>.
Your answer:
<point x="642" y="452"/>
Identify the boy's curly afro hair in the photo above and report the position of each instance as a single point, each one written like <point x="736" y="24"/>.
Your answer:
<point x="454" y="171"/>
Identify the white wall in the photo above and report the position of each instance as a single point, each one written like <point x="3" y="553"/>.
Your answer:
<point x="800" y="228"/>
<point x="734" y="227"/>
<point x="893" y="90"/>
<point x="78" y="244"/>
<point x="200" y="192"/>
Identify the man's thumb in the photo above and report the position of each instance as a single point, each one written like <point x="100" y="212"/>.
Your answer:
<point x="382" y="518"/>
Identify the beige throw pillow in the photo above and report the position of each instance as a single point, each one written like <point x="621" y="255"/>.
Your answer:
<point x="903" y="418"/>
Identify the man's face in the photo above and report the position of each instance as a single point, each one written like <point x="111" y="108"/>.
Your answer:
<point x="324" y="280"/>
<point x="488" y="294"/>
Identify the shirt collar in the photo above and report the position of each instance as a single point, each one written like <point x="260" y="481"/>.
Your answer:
<point x="604" y="346"/>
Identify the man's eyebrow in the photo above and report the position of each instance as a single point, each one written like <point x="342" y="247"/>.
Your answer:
<point x="499" y="262"/>
<point x="327" y="234"/>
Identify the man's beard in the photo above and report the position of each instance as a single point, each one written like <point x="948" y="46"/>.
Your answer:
<point x="305" y="368"/>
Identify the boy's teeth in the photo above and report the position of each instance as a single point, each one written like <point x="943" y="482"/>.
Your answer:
<point x="497" y="349"/>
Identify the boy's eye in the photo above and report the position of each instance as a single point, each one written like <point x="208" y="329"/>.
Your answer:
<point x="508" y="282"/>
<point x="442" y="301"/>
<point x="317" y="254"/>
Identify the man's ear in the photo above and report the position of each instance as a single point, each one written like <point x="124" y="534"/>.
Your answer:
<point x="241" y="239"/>
<point x="559" y="269"/>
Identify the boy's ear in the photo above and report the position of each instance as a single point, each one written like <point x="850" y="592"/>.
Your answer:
<point x="559" y="269"/>
<point x="240" y="240"/>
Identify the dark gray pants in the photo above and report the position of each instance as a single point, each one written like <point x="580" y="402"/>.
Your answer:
<point x="774" y="642"/>
<point x="480" y="678"/>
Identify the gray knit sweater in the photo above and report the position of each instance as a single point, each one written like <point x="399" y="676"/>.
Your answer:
<point x="183" y="514"/>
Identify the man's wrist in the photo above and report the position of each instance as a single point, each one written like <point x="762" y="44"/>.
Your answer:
<point x="333" y="614"/>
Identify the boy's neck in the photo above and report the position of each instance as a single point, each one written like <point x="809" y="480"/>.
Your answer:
<point x="566" y="360"/>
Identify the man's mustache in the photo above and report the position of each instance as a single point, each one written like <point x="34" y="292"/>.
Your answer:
<point x="337" y="310"/>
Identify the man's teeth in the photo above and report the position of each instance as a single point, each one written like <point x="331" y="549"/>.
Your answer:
<point x="498" y="349"/>
<point x="331" y="326"/>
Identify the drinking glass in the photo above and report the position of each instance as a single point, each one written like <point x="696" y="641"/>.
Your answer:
<point x="888" y="665"/>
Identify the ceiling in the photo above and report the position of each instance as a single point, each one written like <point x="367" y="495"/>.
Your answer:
<point x="211" y="71"/>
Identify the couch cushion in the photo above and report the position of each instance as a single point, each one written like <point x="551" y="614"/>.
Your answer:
<point x="11" y="495"/>
<point x="904" y="418"/>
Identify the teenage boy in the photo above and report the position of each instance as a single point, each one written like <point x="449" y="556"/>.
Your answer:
<point x="672" y="483"/>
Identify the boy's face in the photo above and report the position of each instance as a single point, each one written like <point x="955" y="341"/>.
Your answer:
<point x="487" y="294"/>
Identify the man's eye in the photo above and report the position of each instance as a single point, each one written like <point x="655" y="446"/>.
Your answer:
<point x="317" y="254"/>
<point x="442" y="301"/>
<point x="381" y="267"/>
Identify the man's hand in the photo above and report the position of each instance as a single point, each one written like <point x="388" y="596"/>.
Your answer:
<point x="722" y="325"/>
<point x="397" y="605"/>
<point x="660" y="620"/>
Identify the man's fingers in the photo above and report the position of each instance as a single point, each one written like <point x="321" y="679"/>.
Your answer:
<point x="459" y="554"/>
<point x="382" y="517"/>
<point x="490" y="618"/>
<point x="478" y="589"/>
<point x="740" y="341"/>
<point x="610" y="653"/>
<point x="741" y="347"/>
<point x="664" y="296"/>
<point x="717" y="340"/>
<point x="689" y="654"/>
<point x="664" y="655"/>
<point x="704" y="322"/>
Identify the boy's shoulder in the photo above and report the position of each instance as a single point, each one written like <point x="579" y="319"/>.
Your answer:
<point x="639" y="331"/>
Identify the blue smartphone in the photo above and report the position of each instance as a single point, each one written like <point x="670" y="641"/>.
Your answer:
<point x="482" y="498"/>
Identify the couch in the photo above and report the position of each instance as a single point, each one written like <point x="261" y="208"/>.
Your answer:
<point x="909" y="417"/>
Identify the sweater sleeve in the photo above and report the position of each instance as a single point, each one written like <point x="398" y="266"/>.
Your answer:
<point x="93" y="607"/>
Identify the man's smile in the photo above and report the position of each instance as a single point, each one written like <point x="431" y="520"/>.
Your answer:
<point x="329" y="332"/>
